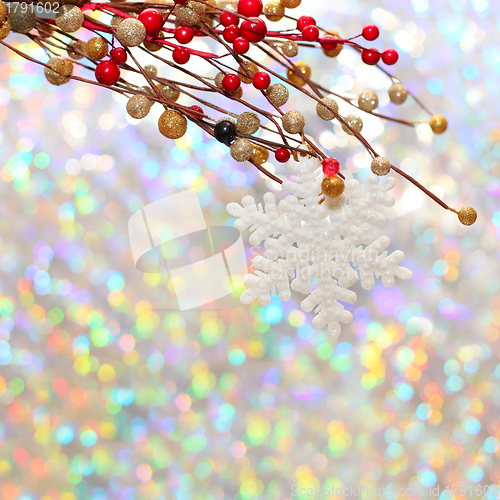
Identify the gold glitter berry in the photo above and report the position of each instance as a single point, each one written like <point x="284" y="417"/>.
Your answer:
<point x="151" y="69"/>
<point x="381" y="166"/>
<point x="290" y="48"/>
<point x="332" y="187"/>
<point x="293" y="122"/>
<point x="237" y="93"/>
<point x="248" y="123"/>
<point x="251" y="67"/>
<point x="152" y="46"/>
<point x="169" y="92"/>
<point x="241" y="150"/>
<point x="22" y="22"/>
<point x="397" y="93"/>
<point x="54" y="65"/>
<point x="210" y="16"/>
<point x="97" y="48"/>
<point x="467" y="216"/>
<point x="355" y="122"/>
<point x="218" y="79"/>
<point x="323" y="112"/>
<point x="438" y="124"/>
<point x="190" y="13"/>
<point x="64" y="67"/>
<point x="131" y="32"/>
<point x="45" y="30"/>
<point x="367" y="100"/>
<point x="274" y="10"/>
<point x="260" y="154"/>
<point x="69" y="18"/>
<point x="138" y="106"/>
<point x="304" y="69"/>
<point x="81" y="46"/>
<point x="290" y="4"/>
<point x="278" y="94"/>
<point x="226" y="119"/>
<point x="4" y="29"/>
<point x="149" y="91"/>
<point x="172" y="124"/>
<point x="116" y="20"/>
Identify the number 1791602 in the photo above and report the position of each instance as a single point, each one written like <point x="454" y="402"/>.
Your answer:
<point x="48" y="7"/>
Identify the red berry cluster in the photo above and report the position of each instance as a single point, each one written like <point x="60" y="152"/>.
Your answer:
<point x="372" y="56"/>
<point x="241" y="34"/>
<point x="107" y="72"/>
<point x="252" y="30"/>
<point x="231" y="83"/>
<point x="307" y="26"/>
<point x="310" y="33"/>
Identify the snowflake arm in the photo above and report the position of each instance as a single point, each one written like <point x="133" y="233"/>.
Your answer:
<point x="324" y="301"/>
<point x="373" y="262"/>
<point x="269" y="276"/>
<point x="263" y="222"/>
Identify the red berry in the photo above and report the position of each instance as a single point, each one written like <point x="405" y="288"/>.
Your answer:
<point x="330" y="166"/>
<point x="370" y="56"/>
<point x="197" y="109"/>
<point x="329" y="43"/>
<point x="231" y="33"/>
<point x="241" y="45"/>
<point x="305" y="21"/>
<point x="152" y="20"/>
<point x="228" y="19"/>
<point x="184" y="34"/>
<point x="370" y="32"/>
<point x="310" y="33"/>
<point x="118" y="56"/>
<point x="254" y="30"/>
<point x="282" y="155"/>
<point x="261" y="80"/>
<point x="250" y="8"/>
<point x="231" y="83"/>
<point x="390" y="57"/>
<point x="107" y="73"/>
<point x="181" y="55"/>
<point x="180" y="1"/>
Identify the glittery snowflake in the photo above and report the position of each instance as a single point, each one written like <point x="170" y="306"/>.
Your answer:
<point x="318" y="247"/>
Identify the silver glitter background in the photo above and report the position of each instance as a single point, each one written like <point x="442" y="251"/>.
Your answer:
<point x="104" y="395"/>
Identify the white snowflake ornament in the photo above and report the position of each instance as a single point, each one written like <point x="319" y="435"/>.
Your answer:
<point x="319" y="249"/>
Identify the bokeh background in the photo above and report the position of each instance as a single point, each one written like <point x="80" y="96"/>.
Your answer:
<point x="104" y="394"/>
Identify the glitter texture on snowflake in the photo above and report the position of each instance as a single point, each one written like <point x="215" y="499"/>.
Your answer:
<point x="319" y="249"/>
